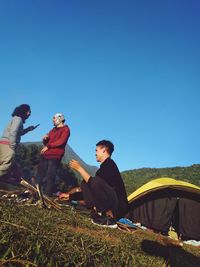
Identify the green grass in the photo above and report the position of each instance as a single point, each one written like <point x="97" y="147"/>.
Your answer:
<point x="30" y="236"/>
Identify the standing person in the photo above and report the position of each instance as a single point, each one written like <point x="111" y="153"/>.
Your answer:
<point x="12" y="135"/>
<point x="52" y="152"/>
<point x="106" y="191"/>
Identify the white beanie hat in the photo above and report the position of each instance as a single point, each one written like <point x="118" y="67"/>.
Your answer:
<point x="59" y="118"/>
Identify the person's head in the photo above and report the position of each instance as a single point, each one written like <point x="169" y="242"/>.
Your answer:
<point x="104" y="149"/>
<point x="23" y="111"/>
<point x="58" y="119"/>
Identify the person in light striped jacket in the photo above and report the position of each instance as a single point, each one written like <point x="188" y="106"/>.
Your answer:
<point x="12" y="135"/>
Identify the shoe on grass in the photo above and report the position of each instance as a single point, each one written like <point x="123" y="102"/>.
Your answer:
<point x="104" y="221"/>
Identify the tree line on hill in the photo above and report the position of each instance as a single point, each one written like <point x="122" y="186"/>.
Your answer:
<point x="136" y="178"/>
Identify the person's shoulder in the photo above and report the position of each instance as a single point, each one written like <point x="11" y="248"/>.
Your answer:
<point x="66" y="128"/>
<point x="110" y="161"/>
<point x="17" y="119"/>
<point x="113" y="164"/>
<point x="53" y="129"/>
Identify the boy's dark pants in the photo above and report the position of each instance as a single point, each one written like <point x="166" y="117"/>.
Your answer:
<point x="97" y="193"/>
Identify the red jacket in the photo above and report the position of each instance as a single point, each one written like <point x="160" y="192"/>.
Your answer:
<point x="56" y="142"/>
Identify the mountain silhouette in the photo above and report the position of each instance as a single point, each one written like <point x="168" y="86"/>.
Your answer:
<point x="69" y="155"/>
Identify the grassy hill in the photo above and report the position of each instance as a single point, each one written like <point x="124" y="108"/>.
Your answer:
<point x="135" y="178"/>
<point x="30" y="236"/>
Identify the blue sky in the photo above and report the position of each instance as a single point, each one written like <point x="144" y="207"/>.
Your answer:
<point x="127" y="71"/>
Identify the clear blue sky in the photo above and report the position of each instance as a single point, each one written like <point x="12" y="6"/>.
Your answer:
<point x="123" y="70"/>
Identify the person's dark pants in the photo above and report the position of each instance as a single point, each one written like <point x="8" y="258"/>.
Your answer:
<point x="97" y="193"/>
<point x="47" y="168"/>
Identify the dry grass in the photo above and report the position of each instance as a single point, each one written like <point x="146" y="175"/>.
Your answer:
<point x="30" y="236"/>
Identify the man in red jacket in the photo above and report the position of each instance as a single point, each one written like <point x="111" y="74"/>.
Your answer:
<point x="52" y="152"/>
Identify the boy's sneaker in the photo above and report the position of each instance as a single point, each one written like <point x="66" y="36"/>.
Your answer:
<point x="104" y="221"/>
<point x="94" y="214"/>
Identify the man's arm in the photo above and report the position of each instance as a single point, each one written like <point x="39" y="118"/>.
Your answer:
<point x="45" y="140"/>
<point x="30" y="128"/>
<point x="74" y="164"/>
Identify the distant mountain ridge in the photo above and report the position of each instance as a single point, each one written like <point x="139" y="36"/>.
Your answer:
<point x="69" y="155"/>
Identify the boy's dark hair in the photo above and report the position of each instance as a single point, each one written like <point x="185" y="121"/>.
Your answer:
<point x="107" y="144"/>
<point x="21" y="111"/>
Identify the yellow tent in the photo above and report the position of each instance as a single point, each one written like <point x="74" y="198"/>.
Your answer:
<point x="166" y="202"/>
<point x="162" y="183"/>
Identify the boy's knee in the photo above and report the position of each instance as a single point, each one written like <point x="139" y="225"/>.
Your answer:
<point x="95" y="182"/>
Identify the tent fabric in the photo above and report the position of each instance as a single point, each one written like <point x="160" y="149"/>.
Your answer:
<point x="189" y="219"/>
<point x="155" y="213"/>
<point x="159" y="183"/>
<point x="163" y="202"/>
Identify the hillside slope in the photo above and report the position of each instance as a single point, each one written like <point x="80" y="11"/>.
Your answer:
<point x="136" y="178"/>
<point x="58" y="239"/>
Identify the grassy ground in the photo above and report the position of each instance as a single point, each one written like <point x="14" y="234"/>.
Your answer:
<point x="30" y="236"/>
